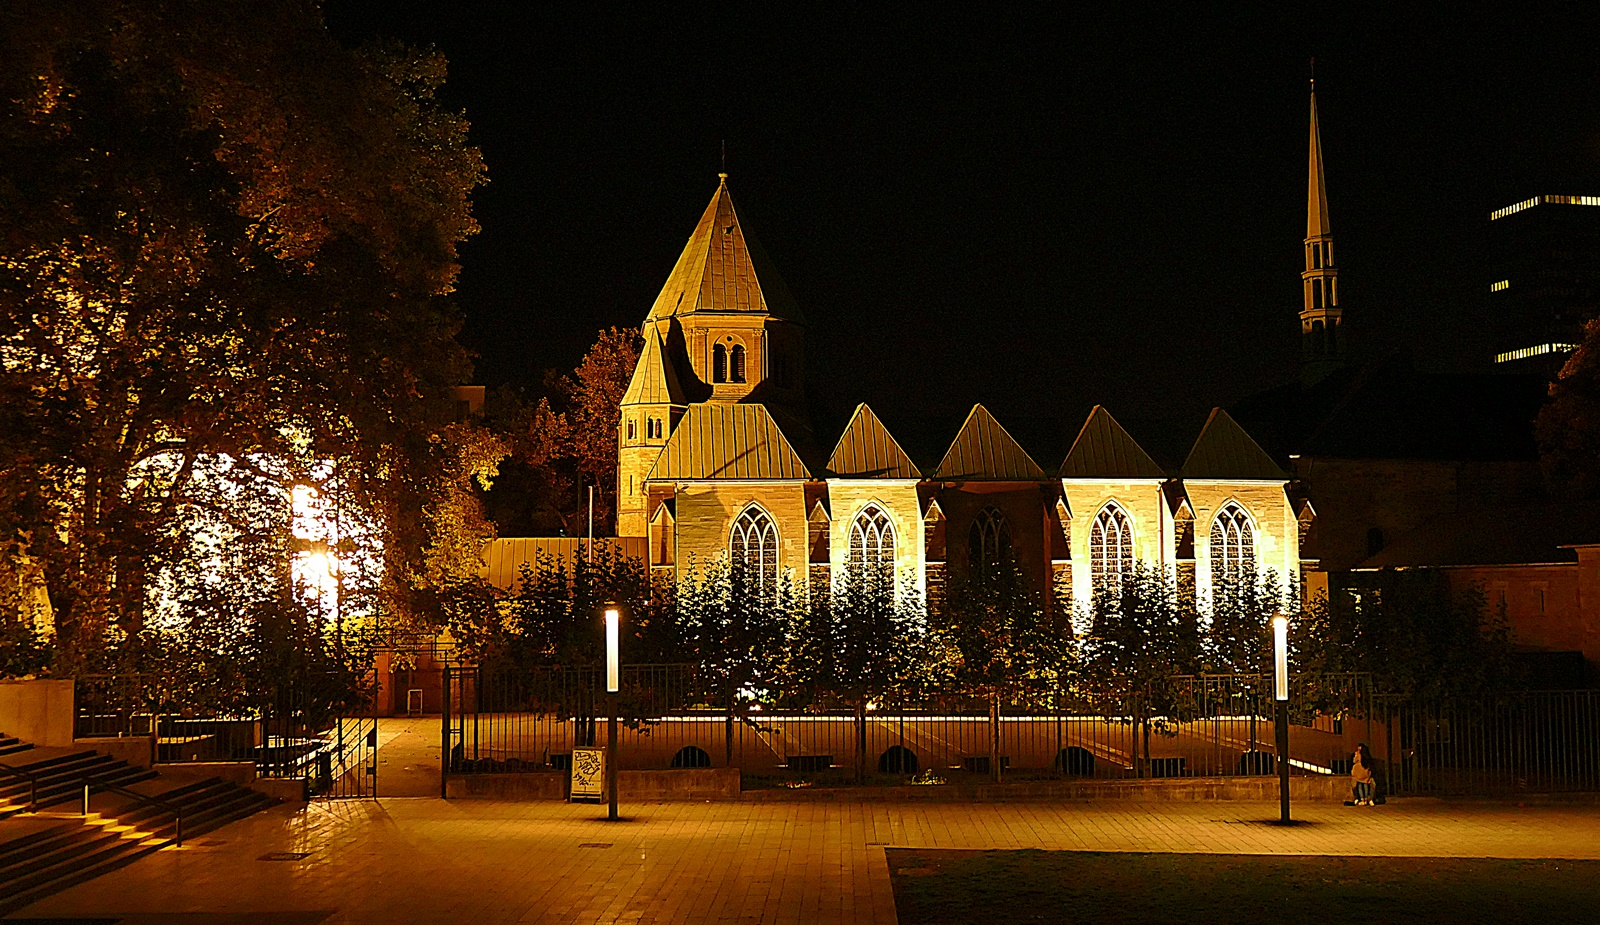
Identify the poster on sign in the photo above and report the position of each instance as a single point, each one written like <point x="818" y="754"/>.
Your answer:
<point x="588" y="774"/>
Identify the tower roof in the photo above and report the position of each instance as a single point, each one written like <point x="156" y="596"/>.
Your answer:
<point x="1224" y="451"/>
<point x="866" y="450"/>
<point x="654" y="381"/>
<point x="985" y="451"/>
<point x="1316" y="188"/>
<point x="720" y="441"/>
<point x="1104" y="450"/>
<point x="723" y="269"/>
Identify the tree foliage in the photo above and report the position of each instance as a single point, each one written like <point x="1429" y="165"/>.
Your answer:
<point x="1007" y="645"/>
<point x="1568" y="427"/>
<point x="1238" y="631"/>
<point x="222" y="237"/>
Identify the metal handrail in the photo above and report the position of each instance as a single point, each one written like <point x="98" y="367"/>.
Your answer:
<point x="174" y="809"/>
<point x="33" y="784"/>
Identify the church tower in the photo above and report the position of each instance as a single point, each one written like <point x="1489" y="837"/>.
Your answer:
<point x="1321" y="331"/>
<point x="724" y="330"/>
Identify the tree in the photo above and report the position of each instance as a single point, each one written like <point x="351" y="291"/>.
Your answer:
<point x="1140" y="638"/>
<point x="567" y="441"/>
<point x="226" y="247"/>
<point x="1009" y="647"/>
<point x="1410" y="632"/>
<point x="1238" y="632"/>
<point x="734" y="630"/>
<point x="860" y="642"/>
<point x="1568" y="427"/>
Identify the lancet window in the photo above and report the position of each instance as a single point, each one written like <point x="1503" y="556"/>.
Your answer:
<point x="1233" y="544"/>
<point x="988" y="541"/>
<point x="753" y="547"/>
<point x="719" y="363"/>
<point x="1110" y="545"/>
<point x="736" y="363"/>
<point x="872" y="542"/>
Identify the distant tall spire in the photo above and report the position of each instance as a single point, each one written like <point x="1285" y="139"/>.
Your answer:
<point x="1320" y="316"/>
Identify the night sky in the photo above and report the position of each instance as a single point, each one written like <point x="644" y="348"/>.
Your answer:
<point x="1039" y="209"/>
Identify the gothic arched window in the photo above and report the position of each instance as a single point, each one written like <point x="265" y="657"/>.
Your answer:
<point x="872" y="541"/>
<point x="988" y="541"/>
<point x="736" y="363"/>
<point x="1110" y="545"/>
<point x="1233" y="544"/>
<point x="719" y="363"/>
<point x="753" y="547"/>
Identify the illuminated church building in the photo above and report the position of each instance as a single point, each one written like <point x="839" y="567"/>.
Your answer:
<point x="715" y="460"/>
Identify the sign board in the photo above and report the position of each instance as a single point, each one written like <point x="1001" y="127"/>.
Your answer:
<point x="588" y="774"/>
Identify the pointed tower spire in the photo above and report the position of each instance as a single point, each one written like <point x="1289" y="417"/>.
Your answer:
<point x="1320" y="316"/>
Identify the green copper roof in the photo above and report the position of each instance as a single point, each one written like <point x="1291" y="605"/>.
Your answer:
<point x="719" y="441"/>
<point x="1103" y="450"/>
<point x="984" y="451"/>
<point x="1224" y="451"/>
<point x="866" y="450"/>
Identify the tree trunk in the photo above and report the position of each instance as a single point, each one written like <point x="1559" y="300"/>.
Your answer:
<point x="861" y="740"/>
<point x="994" y="737"/>
<point x="727" y="733"/>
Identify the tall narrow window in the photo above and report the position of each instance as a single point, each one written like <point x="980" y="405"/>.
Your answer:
<point x="1110" y="545"/>
<point x="652" y="429"/>
<point x="988" y="541"/>
<point x="632" y="428"/>
<point x="872" y="542"/>
<point x="1233" y="544"/>
<point x="736" y="363"/>
<point x="753" y="547"/>
<point x="719" y="363"/>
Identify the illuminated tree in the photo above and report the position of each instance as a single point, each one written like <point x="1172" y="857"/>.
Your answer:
<point x="222" y="237"/>
<point x="1568" y="428"/>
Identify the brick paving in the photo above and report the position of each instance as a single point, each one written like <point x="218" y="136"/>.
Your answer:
<point x="478" y="862"/>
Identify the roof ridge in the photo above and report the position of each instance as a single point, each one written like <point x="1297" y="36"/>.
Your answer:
<point x="1225" y="450"/>
<point x="1007" y="461"/>
<point x="1105" y="449"/>
<point x="892" y="462"/>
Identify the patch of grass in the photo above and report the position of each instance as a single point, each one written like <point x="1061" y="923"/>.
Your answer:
<point x="960" y="887"/>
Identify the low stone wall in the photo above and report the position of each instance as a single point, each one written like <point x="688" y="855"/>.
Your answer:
<point x="286" y="789"/>
<point x="137" y="750"/>
<point x="1308" y="789"/>
<point x="190" y="772"/>
<point x="635" y="786"/>
<point x="38" y="711"/>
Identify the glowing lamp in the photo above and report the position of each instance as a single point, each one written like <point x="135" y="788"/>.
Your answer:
<point x="1280" y="657"/>
<point x="613" y="642"/>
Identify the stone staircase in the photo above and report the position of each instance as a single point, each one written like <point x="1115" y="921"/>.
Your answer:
<point x="44" y="853"/>
<point x="10" y="745"/>
<point x="60" y="779"/>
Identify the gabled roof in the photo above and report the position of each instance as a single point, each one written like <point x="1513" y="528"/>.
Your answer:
<point x="723" y="269"/>
<point x="1104" y="450"/>
<point x="866" y="450"/>
<point x="654" y="381"/>
<point x="983" y="450"/>
<point x="717" y="441"/>
<point x="1224" y="451"/>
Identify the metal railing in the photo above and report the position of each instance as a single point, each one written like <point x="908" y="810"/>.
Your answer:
<point x="1499" y="744"/>
<point x="172" y="809"/>
<point x="33" y="784"/>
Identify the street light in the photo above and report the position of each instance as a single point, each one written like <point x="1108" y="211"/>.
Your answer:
<point x="613" y="679"/>
<point x="1280" y="693"/>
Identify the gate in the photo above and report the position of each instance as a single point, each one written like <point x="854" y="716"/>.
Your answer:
<point x="334" y="752"/>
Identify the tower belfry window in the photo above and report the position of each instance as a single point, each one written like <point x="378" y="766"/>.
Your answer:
<point x="736" y="363"/>
<point x="719" y="363"/>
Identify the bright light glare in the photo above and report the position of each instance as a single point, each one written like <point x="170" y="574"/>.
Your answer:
<point x="1280" y="657"/>
<point x="613" y="644"/>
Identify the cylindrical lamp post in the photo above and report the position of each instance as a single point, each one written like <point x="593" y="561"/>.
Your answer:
<point x="613" y="684"/>
<point x="1280" y="693"/>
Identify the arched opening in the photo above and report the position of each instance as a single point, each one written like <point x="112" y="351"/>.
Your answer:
<point x="1316" y="293"/>
<point x="872" y="542"/>
<point x="898" y="759"/>
<point x="1233" y="544"/>
<point x="753" y="548"/>
<point x="736" y="363"/>
<point x="1110" y="545"/>
<point x="719" y="363"/>
<point x="1075" y="761"/>
<point x="988" y="542"/>
<point x="632" y="428"/>
<point x="691" y="756"/>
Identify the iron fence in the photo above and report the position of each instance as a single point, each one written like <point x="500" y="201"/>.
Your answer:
<point x="1194" y="726"/>
<point x="1501" y="744"/>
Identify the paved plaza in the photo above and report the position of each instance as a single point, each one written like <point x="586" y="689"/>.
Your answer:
<point x="479" y="862"/>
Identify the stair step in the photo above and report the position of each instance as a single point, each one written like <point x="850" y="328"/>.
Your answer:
<point x="66" y="863"/>
<point x="90" y="842"/>
<point x="35" y="838"/>
<point x="105" y="863"/>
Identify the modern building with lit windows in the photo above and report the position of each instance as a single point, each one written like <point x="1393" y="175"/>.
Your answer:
<point x="1543" y="278"/>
